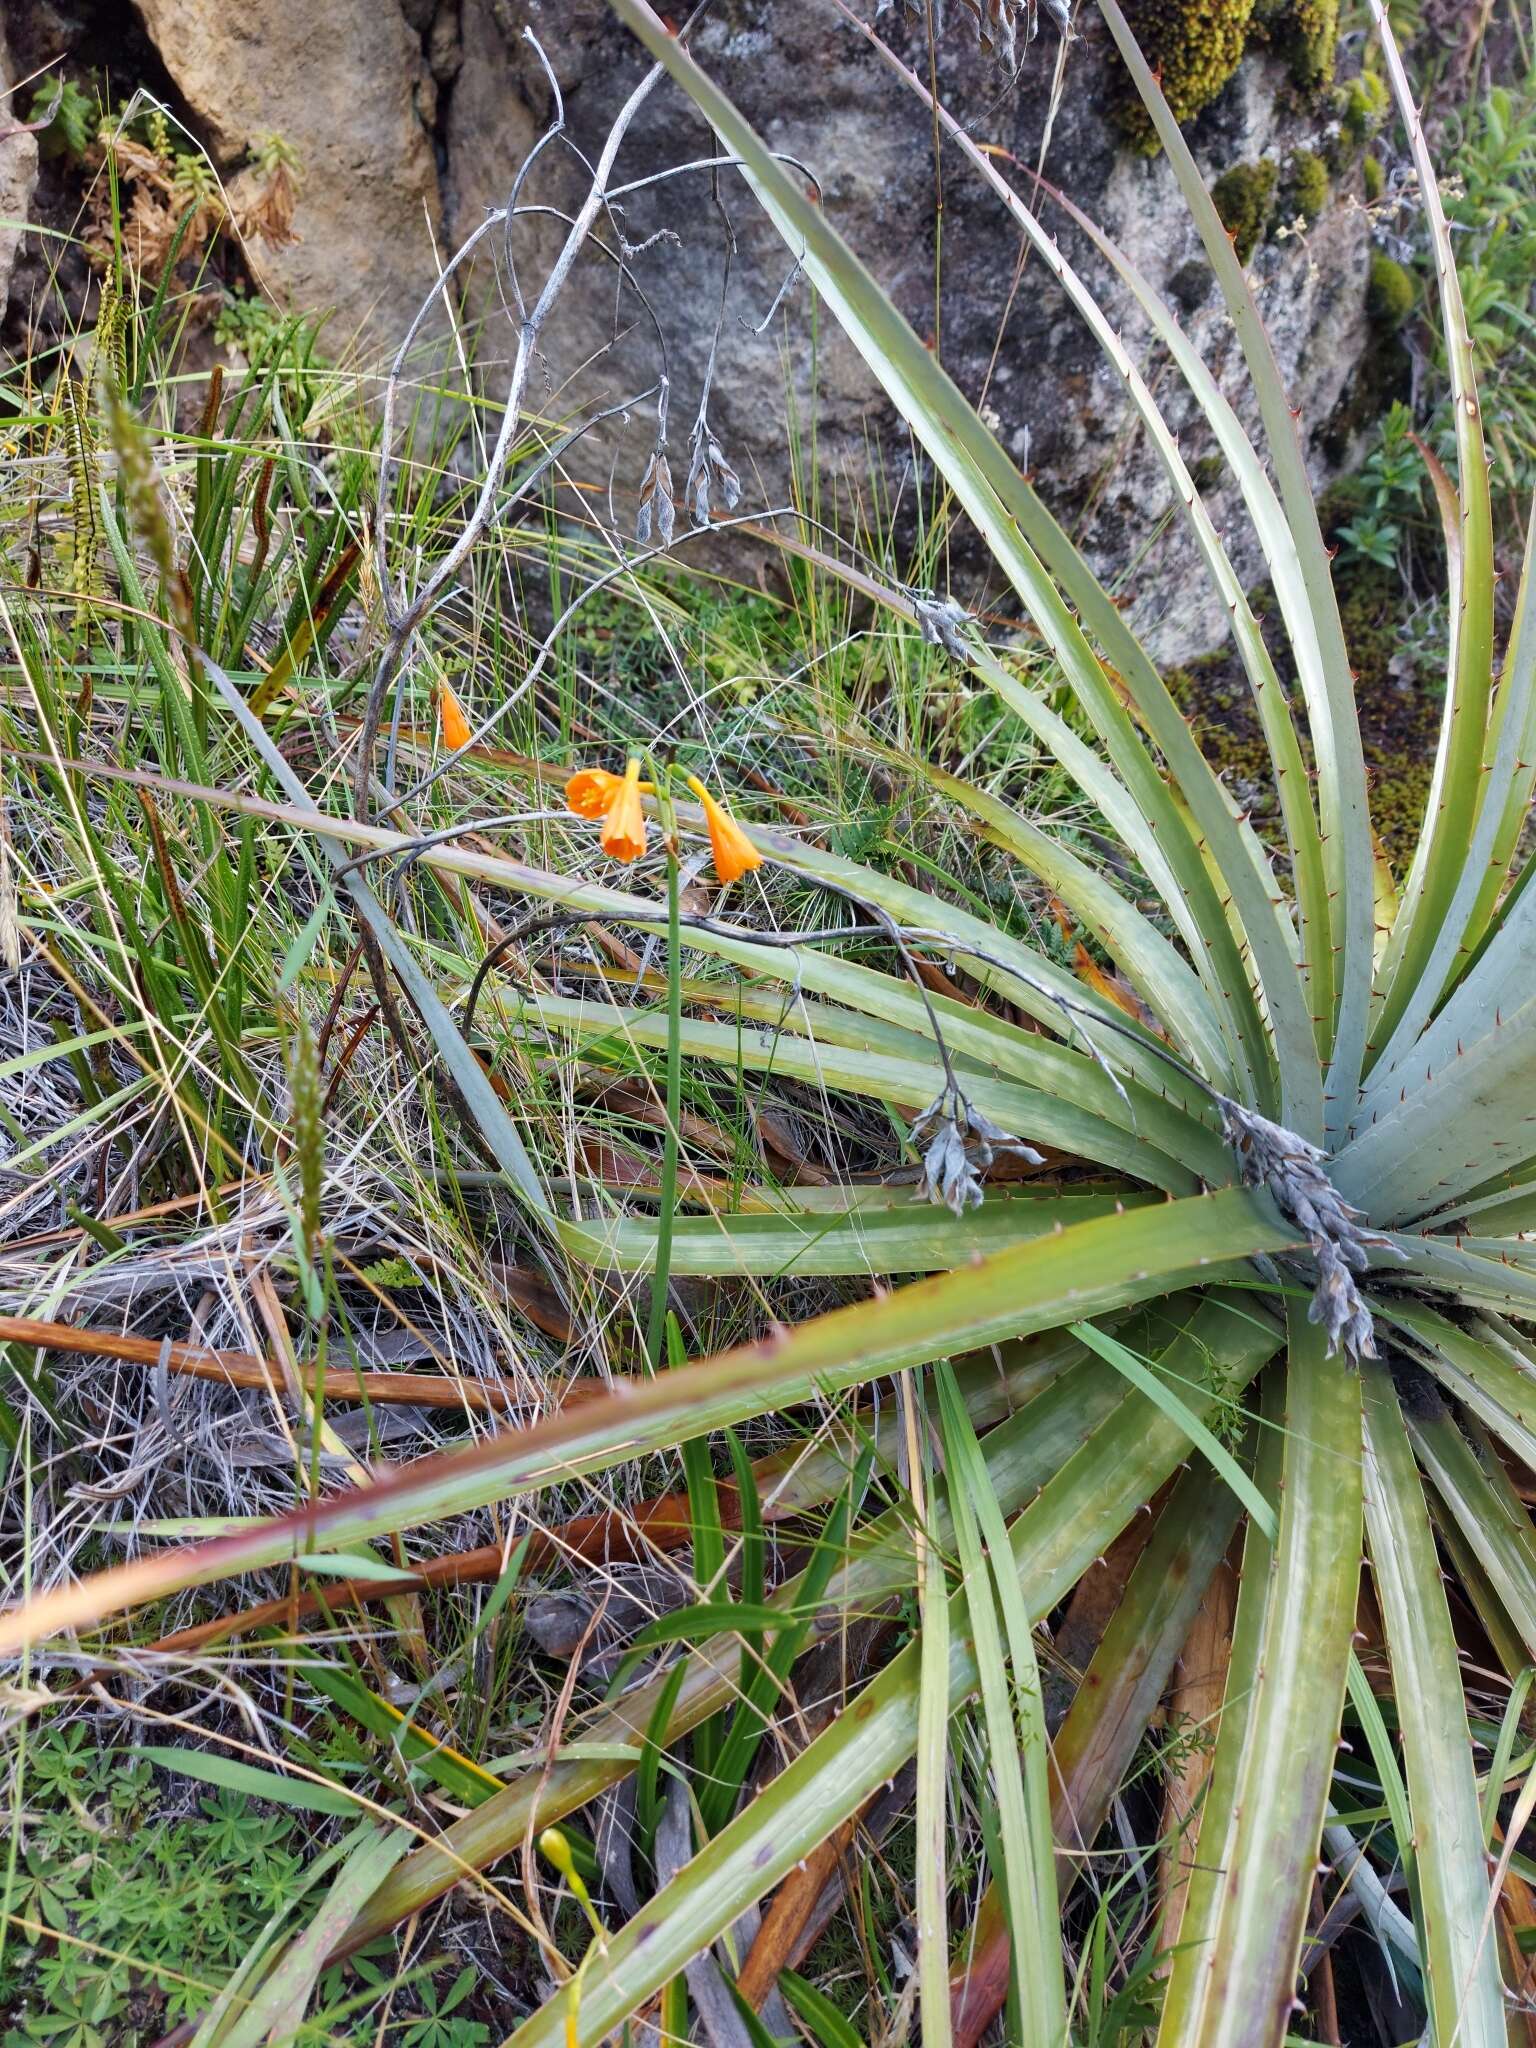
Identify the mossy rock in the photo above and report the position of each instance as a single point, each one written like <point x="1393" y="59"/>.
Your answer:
<point x="1366" y="100"/>
<point x="1375" y="178"/>
<point x="1306" y="186"/>
<point x="1304" y="33"/>
<point x="1194" y="46"/>
<point x="1242" y="196"/>
<point x="1391" y="294"/>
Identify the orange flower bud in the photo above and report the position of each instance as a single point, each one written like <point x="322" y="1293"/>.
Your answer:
<point x="456" y="728"/>
<point x="623" y="834"/>
<point x="733" y="852"/>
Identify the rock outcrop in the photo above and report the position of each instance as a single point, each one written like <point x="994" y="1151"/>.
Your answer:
<point x="18" y="171"/>
<point x="411" y="118"/>
<point x="347" y="84"/>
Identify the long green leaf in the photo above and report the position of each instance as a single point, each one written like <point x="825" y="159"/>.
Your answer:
<point x="1477" y="1496"/>
<point x="277" y="2011"/>
<point x="1234" y="1972"/>
<point x="1300" y="820"/>
<point x="1481" y="1370"/>
<point x="931" y="1791"/>
<point x="910" y="1084"/>
<point x="1455" y="1917"/>
<point x="234" y="1776"/>
<point x="1147" y="959"/>
<point x="1457" y="784"/>
<point x="1482" y="870"/>
<point x="1080" y="1272"/>
<point x="901" y="1234"/>
<point x="1016" y="1730"/>
<point x="1311" y="610"/>
<point x="1438" y="1142"/>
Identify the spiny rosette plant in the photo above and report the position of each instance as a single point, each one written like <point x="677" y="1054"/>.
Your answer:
<point x="1294" y="1167"/>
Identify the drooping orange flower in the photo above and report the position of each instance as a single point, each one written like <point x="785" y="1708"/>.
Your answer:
<point x="590" y="792"/>
<point x="456" y="727"/>
<point x="623" y="833"/>
<point x="733" y="853"/>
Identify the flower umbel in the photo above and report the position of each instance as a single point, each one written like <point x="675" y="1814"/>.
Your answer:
<point x="1270" y="1156"/>
<point x="958" y="1144"/>
<point x="733" y="853"/>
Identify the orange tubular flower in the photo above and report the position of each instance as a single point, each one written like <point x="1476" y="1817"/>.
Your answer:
<point x="733" y="852"/>
<point x="591" y="792"/>
<point x="456" y="729"/>
<point x="623" y="834"/>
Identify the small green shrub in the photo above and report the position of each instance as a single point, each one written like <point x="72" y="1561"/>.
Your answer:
<point x="121" y="1913"/>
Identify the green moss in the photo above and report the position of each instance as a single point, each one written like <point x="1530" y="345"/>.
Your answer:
<point x="1391" y="294"/>
<point x="1195" y="46"/>
<point x="1311" y="36"/>
<point x="1398" y="726"/>
<point x="1243" y="197"/>
<point x="1304" y="33"/>
<point x="1375" y="178"/>
<point x="1306" y="185"/>
<point x="1365" y="107"/>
